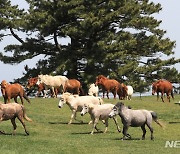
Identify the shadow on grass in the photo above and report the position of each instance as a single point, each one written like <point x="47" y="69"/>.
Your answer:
<point x="10" y="134"/>
<point x="174" y="122"/>
<point x="66" y="123"/>
<point x="128" y="139"/>
<point x="89" y="133"/>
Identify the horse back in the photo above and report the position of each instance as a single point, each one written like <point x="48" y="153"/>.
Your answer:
<point x="164" y="86"/>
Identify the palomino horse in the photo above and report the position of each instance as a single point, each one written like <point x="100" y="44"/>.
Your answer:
<point x="73" y="86"/>
<point x="109" y="85"/>
<point x="162" y="86"/>
<point x="13" y="91"/>
<point x="33" y="82"/>
<point x="11" y="111"/>
<point x="134" y="118"/>
<point x="52" y="82"/>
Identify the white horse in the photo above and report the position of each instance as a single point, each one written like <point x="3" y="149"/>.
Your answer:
<point x="129" y="92"/>
<point x="93" y="90"/>
<point x="52" y="81"/>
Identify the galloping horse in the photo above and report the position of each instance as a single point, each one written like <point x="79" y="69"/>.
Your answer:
<point x="13" y="91"/>
<point x="73" y="86"/>
<point x="52" y="82"/>
<point x="109" y="85"/>
<point x="33" y="82"/>
<point x="162" y="86"/>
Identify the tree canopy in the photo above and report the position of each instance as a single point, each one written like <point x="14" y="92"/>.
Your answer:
<point x="119" y="39"/>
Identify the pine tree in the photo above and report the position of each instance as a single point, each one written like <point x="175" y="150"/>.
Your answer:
<point x="119" y="39"/>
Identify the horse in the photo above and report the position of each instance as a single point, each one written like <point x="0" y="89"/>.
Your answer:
<point x="125" y="92"/>
<point x="134" y="118"/>
<point x="93" y="90"/>
<point x="12" y="111"/>
<point x="73" y="86"/>
<point x="53" y="82"/>
<point x="13" y="91"/>
<point x="122" y="91"/>
<point x="108" y="85"/>
<point x="162" y="86"/>
<point x="33" y="82"/>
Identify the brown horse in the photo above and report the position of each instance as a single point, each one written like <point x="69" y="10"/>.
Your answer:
<point x="74" y="86"/>
<point x="108" y="85"/>
<point x="122" y="91"/>
<point x="13" y="91"/>
<point x="12" y="111"/>
<point x="32" y="82"/>
<point x="162" y="86"/>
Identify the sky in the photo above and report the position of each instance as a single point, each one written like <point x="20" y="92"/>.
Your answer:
<point x="168" y="15"/>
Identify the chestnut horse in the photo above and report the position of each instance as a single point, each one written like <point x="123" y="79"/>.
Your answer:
<point x="162" y="86"/>
<point x="122" y="91"/>
<point x="13" y="91"/>
<point x="33" y="82"/>
<point x="108" y="85"/>
<point x="74" y="86"/>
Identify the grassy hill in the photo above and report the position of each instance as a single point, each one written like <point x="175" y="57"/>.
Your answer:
<point x="50" y="133"/>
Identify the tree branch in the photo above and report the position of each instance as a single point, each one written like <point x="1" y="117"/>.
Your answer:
<point x="58" y="46"/>
<point x="16" y="36"/>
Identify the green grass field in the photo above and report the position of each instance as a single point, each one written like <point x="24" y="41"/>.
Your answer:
<point x="50" y="133"/>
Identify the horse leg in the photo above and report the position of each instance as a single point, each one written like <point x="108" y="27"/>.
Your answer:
<point x="118" y="128"/>
<point x="72" y="116"/>
<point x="106" y="124"/>
<point x="162" y="94"/>
<point x="107" y="94"/>
<point x="114" y="93"/>
<point x="151" y="130"/>
<point x="15" y="99"/>
<point x="21" y="100"/>
<point x="157" y="96"/>
<point x="95" y="121"/>
<point x="125" y="129"/>
<point x="168" y="96"/>
<point x="14" y="126"/>
<point x="20" y="117"/>
<point x="144" y="131"/>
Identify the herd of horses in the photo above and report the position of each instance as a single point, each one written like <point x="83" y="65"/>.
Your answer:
<point x="62" y="84"/>
<point x="58" y="84"/>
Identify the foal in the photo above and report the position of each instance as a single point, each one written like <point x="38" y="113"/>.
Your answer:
<point x="134" y="118"/>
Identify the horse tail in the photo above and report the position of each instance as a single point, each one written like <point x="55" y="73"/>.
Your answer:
<point x="155" y="118"/>
<point x="24" y="114"/>
<point x="26" y="97"/>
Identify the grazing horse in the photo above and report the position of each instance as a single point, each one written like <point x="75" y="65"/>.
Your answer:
<point x="12" y="111"/>
<point x="73" y="86"/>
<point x="109" y="85"/>
<point x="33" y="82"/>
<point x="53" y="82"/>
<point x="162" y="86"/>
<point x="134" y="118"/>
<point x="13" y="91"/>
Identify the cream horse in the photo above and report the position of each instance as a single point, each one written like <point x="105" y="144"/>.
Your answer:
<point x="52" y="82"/>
